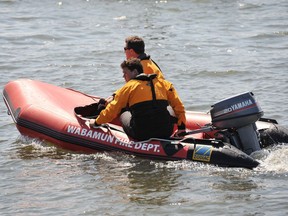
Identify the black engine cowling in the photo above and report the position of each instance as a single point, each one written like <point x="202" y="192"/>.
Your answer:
<point x="239" y="113"/>
<point x="236" y="111"/>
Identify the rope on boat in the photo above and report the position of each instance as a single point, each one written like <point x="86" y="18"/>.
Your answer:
<point x="88" y="95"/>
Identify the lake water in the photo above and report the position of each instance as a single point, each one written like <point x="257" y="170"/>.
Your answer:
<point x="209" y="49"/>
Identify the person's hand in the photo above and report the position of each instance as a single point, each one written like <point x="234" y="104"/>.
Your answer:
<point x="101" y="105"/>
<point x="180" y="133"/>
<point x="92" y="123"/>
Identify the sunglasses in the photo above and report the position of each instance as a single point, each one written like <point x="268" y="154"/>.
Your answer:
<point x="126" y="48"/>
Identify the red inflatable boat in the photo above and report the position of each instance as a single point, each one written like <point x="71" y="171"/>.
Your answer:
<point x="46" y="112"/>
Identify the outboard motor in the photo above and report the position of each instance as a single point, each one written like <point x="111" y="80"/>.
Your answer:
<point x="239" y="113"/>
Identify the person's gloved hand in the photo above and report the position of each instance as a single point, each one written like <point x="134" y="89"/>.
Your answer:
<point x="181" y="131"/>
<point x="93" y="123"/>
<point x="101" y="105"/>
<point x="88" y="110"/>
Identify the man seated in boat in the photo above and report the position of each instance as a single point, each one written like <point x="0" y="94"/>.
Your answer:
<point x="135" y="48"/>
<point x="142" y="105"/>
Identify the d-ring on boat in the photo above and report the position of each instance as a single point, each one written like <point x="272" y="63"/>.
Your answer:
<point x="226" y="137"/>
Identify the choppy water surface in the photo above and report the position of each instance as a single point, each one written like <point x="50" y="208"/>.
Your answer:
<point x="209" y="50"/>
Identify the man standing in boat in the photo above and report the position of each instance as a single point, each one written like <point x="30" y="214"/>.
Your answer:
<point x="142" y="105"/>
<point x="135" y="48"/>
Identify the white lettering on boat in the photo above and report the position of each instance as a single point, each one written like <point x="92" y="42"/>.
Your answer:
<point x="109" y="138"/>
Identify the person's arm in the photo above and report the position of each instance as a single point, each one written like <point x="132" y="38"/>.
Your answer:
<point x="113" y="109"/>
<point x="177" y="106"/>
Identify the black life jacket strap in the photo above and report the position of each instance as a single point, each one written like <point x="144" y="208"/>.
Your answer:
<point x="149" y="78"/>
<point x="153" y="91"/>
<point x="144" y="56"/>
<point x="145" y="77"/>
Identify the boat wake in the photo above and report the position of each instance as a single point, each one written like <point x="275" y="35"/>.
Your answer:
<point x="276" y="159"/>
<point x="273" y="159"/>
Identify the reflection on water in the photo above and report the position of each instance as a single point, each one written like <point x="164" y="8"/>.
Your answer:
<point x="145" y="181"/>
<point x="137" y="179"/>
